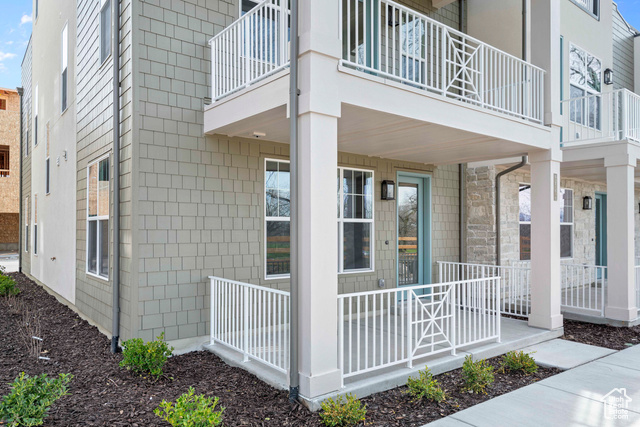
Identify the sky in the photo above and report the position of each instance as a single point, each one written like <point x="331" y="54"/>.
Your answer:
<point x="14" y="37"/>
<point x="16" y="28"/>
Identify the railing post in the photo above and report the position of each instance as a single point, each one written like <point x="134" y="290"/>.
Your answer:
<point x="245" y="324"/>
<point x="214" y="77"/>
<point x="284" y="19"/>
<point x="409" y="330"/>
<point x="213" y="325"/>
<point x="496" y="286"/>
<point x="481" y="74"/>
<point x="454" y="314"/>
<point x="341" y="340"/>
<point x="625" y="113"/>
<point x="443" y="60"/>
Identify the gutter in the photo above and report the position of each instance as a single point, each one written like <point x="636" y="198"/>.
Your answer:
<point x="115" y="328"/>
<point x="498" y="176"/>
<point x="20" y="207"/>
<point x="294" y="375"/>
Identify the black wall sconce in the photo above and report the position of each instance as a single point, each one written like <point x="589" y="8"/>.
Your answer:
<point x="608" y="76"/>
<point x="587" y="203"/>
<point x="388" y="190"/>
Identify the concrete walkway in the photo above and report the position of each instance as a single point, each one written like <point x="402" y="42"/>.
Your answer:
<point x="572" y="398"/>
<point x="9" y="260"/>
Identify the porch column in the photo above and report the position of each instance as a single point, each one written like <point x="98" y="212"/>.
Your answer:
<point x="545" y="239"/>
<point x="317" y="227"/>
<point x="621" y="301"/>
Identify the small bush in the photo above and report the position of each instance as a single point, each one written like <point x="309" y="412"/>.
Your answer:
<point x="425" y="387"/>
<point x="476" y="375"/>
<point x="8" y="286"/>
<point x="519" y="361"/>
<point x="343" y="413"/>
<point x="148" y="358"/>
<point x="30" y="398"/>
<point x="191" y="411"/>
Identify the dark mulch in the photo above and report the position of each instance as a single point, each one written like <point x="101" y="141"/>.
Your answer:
<point x="103" y="394"/>
<point x="615" y="338"/>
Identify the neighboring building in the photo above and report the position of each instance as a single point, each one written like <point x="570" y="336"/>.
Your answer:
<point x="9" y="169"/>
<point x="392" y="95"/>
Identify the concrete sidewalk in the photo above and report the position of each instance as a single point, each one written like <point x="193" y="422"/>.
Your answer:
<point x="572" y="398"/>
<point x="9" y="260"/>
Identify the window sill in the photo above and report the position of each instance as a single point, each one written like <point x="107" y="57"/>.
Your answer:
<point x="344" y="273"/>
<point x="97" y="276"/>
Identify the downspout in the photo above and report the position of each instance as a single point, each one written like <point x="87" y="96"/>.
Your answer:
<point x="294" y="376"/>
<point x="498" y="176"/>
<point x="20" y="213"/>
<point x="115" y="328"/>
<point x="461" y="167"/>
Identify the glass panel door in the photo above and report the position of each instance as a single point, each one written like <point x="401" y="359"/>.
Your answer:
<point x="409" y="225"/>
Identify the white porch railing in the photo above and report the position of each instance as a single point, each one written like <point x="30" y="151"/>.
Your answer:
<point x="250" y="49"/>
<point x="253" y="320"/>
<point x="383" y="328"/>
<point x="388" y="39"/>
<point x="612" y="115"/>
<point x="514" y="283"/>
<point x="583" y="288"/>
<point x="637" y="277"/>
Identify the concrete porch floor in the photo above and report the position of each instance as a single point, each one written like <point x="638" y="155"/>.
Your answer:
<point x="516" y="334"/>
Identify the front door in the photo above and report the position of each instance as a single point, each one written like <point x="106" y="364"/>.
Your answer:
<point x="601" y="229"/>
<point x="413" y="230"/>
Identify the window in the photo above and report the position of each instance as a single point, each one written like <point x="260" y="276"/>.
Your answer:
<point x="4" y="161"/>
<point x="247" y="5"/>
<point x="65" y="60"/>
<point x="36" y="10"/>
<point x="47" y="170"/>
<point x="27" y="219"/>
<point x="592" y="7"/>
<point x="412" y="38"/>
<point x="35" y="225"/>
<point x="105" y="29"/>
<point x="35" y="116"/>
<point x="26" y="142"/>
<point x="277" y="211"/>
<point x="355" y="220"/>
<point x="566" y="222"/>
<point x="3" y="104"/>
<point x="585" y="79"/>
<point x="98" y="218"/>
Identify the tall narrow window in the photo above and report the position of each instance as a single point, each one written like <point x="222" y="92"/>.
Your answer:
<point x="355" y="220"/>
<point x="35" y="116"/>
<point x="27" y="219"/>
<point x="4" y="161"/>
<point x="36" y="10"/>
<point x="98" y="218"/>
<point x="65" y="60"/>
<point x="47" y="162"/>
<point x="525" y="221"/>
<point x="585" y="87"/>
<point x="277" y="211"/>
<point x="35" y="224"/>
<point x="105" y="29"/>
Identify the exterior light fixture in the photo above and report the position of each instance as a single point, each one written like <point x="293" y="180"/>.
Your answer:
<point x="608" y="76"/>
<point x="388" y="190"/>
<point x="259" y="134"/>
<point x="587" y="203"/>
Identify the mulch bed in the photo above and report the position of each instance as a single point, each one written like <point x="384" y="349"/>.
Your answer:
<point x="103" y="394"/>
<point x="615" y="338"/>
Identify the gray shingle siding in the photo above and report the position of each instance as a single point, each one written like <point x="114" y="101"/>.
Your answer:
<point x="623" y="55"/>
<point x="26" y="160"/>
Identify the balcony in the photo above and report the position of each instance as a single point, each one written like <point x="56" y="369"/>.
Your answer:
<point x="611" y="116"/>
<point x="390" y="42"/>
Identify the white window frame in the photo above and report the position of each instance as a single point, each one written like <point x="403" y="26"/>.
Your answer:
<point x="587" y="91"/>
<point x="271" y="218"/>
<point x="342" y="221"/>
<point x="35" y="117"/>
<point x="47" y="175"/>
<point x="35" y="225"/>
<point x="97" y="218"/>
<point x="64" y="78"/>
<point x="585" y="7"/>
<point x="100" y="32"/>
<point x="27" y="219"/>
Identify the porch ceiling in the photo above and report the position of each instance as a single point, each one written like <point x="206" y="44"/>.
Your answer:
<point x="379" y="134"/>
<point x="587" y="161"/>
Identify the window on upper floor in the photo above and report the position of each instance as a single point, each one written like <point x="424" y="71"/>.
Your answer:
<point x="4" y="161"/>
<point x="63" y="75"/>
<point x="98" y="218"/>
<point x="3" y="104"/>
<point x="105" y="29"/>
<point x="566" y="222"/>
<point x="35" y="9"/>
<point x="592" y="7"/>
<point x="247" y="5"/>
<point x="585" y="80"/>
<point x="35" y="116"/>
<point x="35" y="224"/>
<point x="27" y="219"/>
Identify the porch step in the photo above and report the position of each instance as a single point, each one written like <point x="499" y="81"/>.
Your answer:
<point x="565" y="354"/>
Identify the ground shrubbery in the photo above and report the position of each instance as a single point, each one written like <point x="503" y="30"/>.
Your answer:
<point x="191" y="411"/>
<point x="146" y="358"/>
<point x="30" y="398"/>
<point x="7" y="285"/>
<point x="476" y="375"/>
<point x="519" y="361"/>
<point x="347" y="411"/>
<point x="425" y="387"/>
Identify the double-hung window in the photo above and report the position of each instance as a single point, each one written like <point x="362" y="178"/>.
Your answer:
<point x="277" y="214"/>
<point x="566" y="222"/>
<point x="585" y="88"/>
<point x="35" y="224"/>
<point x="27" y="219"/>
<point x="98" y="218"/>
<point x="35" y="116"/>
<point x="105" y="29"/>
<point x="65" y="61"/>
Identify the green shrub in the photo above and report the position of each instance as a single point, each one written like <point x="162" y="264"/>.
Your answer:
<point x="519" y="361"/>
<point x="30" y="398"/>
<point x="7" y="286"/>
<point x="191" y="411"/>
<point x="148" y="358"/>
<point x="425" y="387"/>
<point x="476" y="375"/>
<point x="341" y="412"/>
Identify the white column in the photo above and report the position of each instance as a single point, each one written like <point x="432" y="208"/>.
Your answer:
<point x="621" y="301"/>
<point x="545" y="239"/>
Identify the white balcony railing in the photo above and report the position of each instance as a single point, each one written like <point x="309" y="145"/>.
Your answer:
<point x="250" y="49"/>
<point x="583" y="288"/>
<point x="612" y="115"/>
<point x="379" y="329"/>
<point x="390" y="40"/>
<point x="251" y="319"/>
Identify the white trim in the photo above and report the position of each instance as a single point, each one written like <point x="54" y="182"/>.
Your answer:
<point x="271" y="218"/>
<point x="100" y="10"/>
<point x="586" y="85"/>
<point x="64" y="66"/>
<point x="97" y="219"/>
